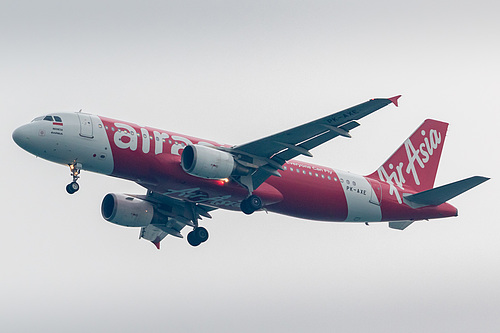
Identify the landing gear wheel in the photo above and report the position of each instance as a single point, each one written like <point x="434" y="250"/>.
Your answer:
<point x="72" y="187"/>
<point x="245" y="208"/>
<point x="254" y="202"/>
<point x="197" y="236"/>
<point x="201" y="233"/>
<point x="251" y="204"/>
<point x="192" y="240"/>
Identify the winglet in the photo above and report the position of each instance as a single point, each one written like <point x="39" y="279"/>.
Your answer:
<point x="394" y="99"/>
<point x="157" y="244"/>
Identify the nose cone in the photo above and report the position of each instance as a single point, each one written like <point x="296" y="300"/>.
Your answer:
<point x="21" y="136"/>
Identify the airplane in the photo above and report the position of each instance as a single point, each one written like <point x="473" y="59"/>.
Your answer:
<point x="186" y="177"/>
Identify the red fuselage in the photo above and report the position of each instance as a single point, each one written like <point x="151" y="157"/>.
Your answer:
<point x="152" y="158"/>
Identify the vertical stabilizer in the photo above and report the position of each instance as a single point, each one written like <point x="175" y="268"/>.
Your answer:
<point x="414" y="165"/>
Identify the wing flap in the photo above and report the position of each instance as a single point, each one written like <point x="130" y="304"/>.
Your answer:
<point x="267" y="147"/>
<point x="317" y="140"/>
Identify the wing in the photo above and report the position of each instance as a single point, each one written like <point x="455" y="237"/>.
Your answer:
<point x="174" y="215"/>
<point x="267" y="155"/>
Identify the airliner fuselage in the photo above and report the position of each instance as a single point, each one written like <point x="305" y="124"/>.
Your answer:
<point x="153" y="158"/>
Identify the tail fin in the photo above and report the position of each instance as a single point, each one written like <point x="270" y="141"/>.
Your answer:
<point x="414" y="165"/>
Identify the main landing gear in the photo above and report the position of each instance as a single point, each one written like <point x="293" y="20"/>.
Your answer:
<point x="75" y="173"/>
<point x="251" y="204"/>
<point x="200" y="235"/>
<point x="197" y="236"/>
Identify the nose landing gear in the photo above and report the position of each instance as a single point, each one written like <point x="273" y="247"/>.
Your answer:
<point x="75" y="173"/>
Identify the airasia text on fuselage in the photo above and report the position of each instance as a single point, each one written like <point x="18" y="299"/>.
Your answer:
<point x="126" y="137"/>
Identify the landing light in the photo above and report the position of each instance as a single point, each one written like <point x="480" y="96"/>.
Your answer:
<point x="223" y="181"/>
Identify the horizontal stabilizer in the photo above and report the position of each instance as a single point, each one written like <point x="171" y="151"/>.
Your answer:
<point x="400" y="225"/>
<point x="441" y="194"/>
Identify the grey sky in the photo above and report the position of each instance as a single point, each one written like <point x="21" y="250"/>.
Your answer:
<point x="233" y="72"/>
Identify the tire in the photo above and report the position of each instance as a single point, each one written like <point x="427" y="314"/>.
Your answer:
<point x="201" y="234"/>
<point x="245" y="207"/>
<point x="72" y="187"/>
<point x="192" y="239"/>
<point x="254" y="202"/>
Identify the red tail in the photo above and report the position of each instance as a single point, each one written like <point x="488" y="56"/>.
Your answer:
<point x="414" y="165"/>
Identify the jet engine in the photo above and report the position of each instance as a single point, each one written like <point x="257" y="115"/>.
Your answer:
<point x="210" y="163"/>
<point x="126" y="210"/>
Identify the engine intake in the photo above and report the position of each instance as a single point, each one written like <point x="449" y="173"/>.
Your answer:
<point x="126" y="210"/>
<point x="210" y="163"/>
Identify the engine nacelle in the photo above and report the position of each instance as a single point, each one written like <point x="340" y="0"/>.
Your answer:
<point x="209" y="163"/>
<point x="126" y="210"/>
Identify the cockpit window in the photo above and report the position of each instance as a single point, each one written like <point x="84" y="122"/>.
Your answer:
<point x="48" y="118"/>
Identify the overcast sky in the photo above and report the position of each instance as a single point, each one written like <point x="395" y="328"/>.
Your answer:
<point x="233" y="72"/>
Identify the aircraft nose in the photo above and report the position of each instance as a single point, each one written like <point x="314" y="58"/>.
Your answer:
<point x="21" y="136"/>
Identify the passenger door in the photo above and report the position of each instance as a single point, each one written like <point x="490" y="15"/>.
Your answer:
<point x="86" y="128"/>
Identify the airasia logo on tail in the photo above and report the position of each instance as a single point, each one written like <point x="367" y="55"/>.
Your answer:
<point x="416" y="160"/>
